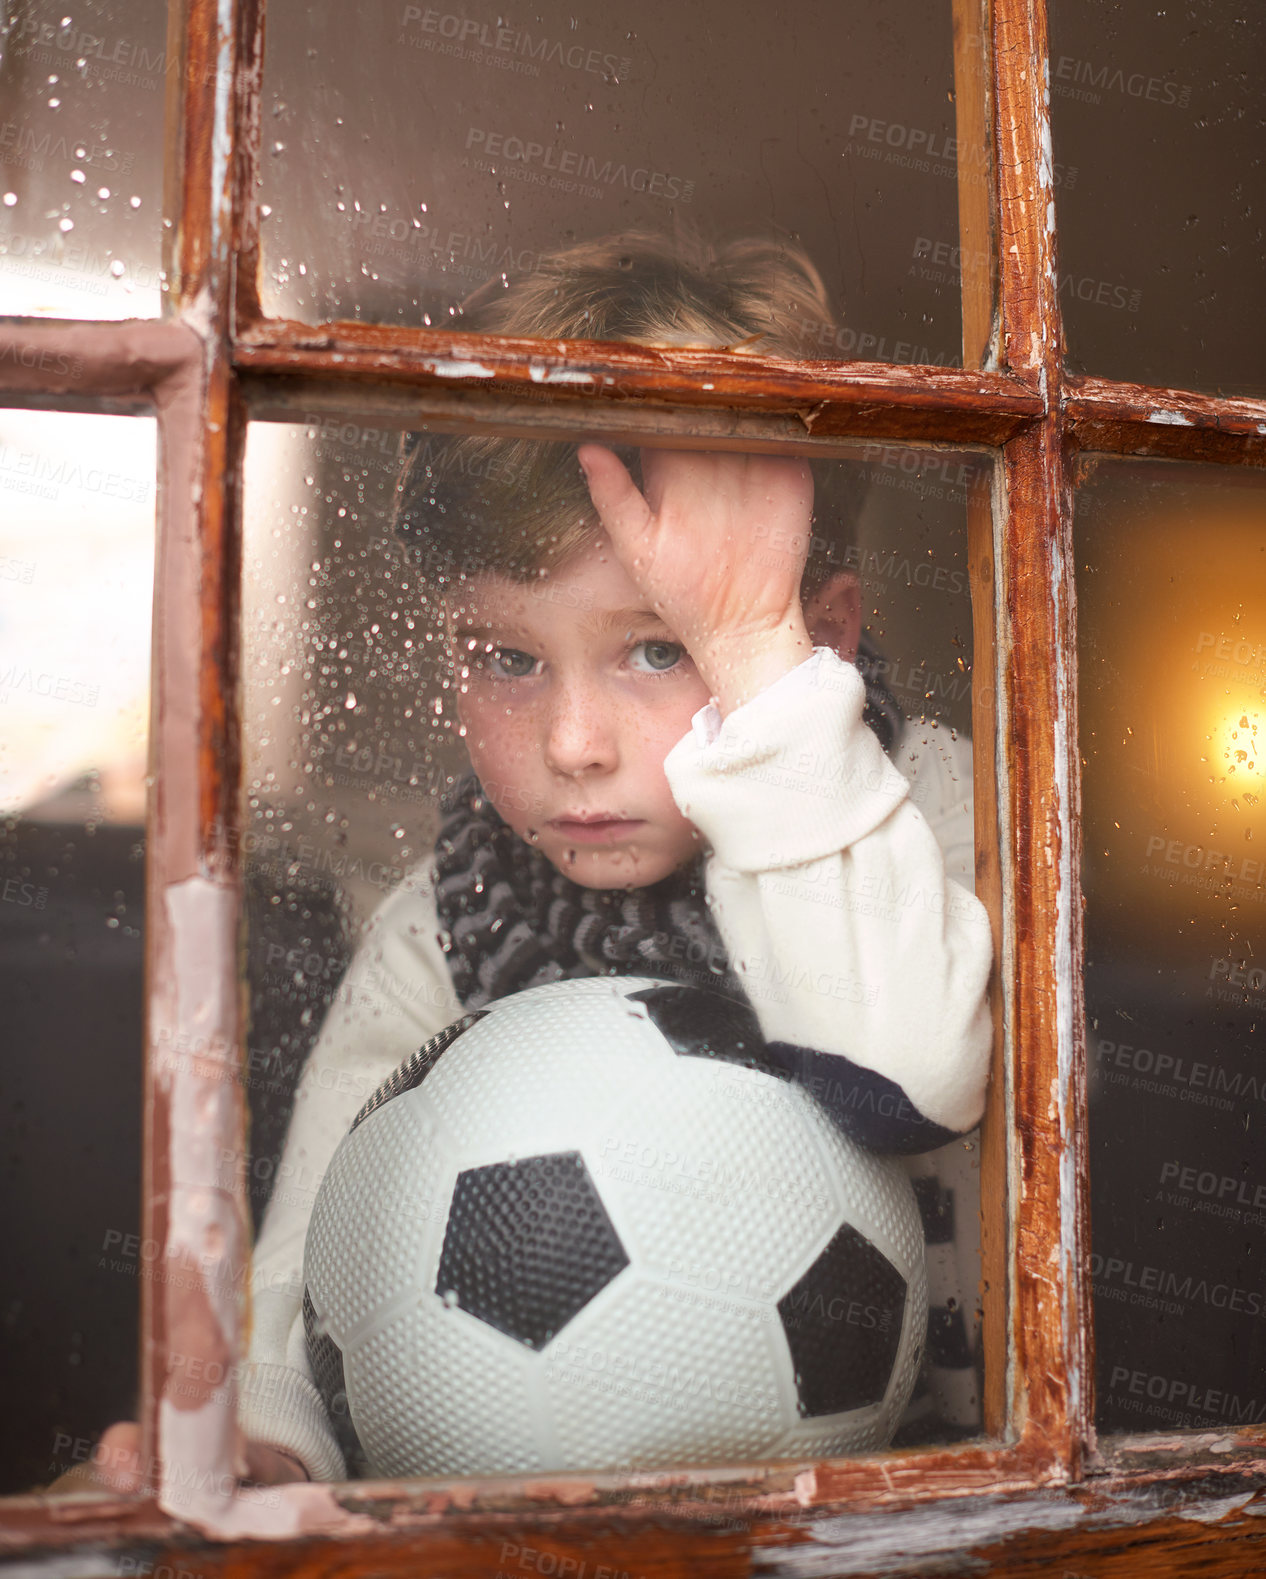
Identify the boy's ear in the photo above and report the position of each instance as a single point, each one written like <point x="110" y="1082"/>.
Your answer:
<point x="833" y="614"/>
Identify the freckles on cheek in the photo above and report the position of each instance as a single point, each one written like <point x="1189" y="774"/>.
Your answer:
<point x="497" y="742"/>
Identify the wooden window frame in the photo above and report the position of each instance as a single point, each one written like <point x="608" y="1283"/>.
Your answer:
<point x="1040" y="1489"/>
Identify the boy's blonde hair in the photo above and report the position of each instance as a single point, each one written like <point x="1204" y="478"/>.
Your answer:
<point x="520" y="507"/>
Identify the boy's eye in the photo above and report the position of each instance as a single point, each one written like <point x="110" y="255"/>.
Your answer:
<point x="506" y="663"/>
<point x="654" y="657"/>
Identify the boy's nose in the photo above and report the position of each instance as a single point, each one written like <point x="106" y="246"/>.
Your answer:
<point x="580" y="737"/>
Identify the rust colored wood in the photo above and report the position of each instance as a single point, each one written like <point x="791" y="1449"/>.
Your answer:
<point x="975" y="183"/>
<point x="1048" y="1312"/>
<point x="1172" y="1550"/>
<point x="1049" y="1309"/>
<point x="1027" y="284"/>
<point x="1199" y="1527"/>
<point x="194" y="43"/>
<point x="245" y="220"/>
<point x="952" y="402"/>
<point x="520" y="414"/>
<point x="1131" y="419"/>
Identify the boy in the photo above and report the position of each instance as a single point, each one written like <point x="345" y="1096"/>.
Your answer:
<point x="671" y="774"/>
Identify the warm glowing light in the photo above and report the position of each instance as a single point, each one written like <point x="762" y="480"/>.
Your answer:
<point x="76" y="588"/>
<point x="1239" y="752"/>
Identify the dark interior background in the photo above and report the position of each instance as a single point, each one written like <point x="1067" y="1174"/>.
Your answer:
<point x="1171" y="589"/>
<point x="1161" y="114"/>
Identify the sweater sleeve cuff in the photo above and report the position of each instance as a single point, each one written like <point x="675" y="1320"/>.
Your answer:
<point x="278" y="1406"/>
<point x="804" y="739"/>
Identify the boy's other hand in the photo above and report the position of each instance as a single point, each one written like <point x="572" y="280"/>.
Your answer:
<point x="116" y="1465"/>
<point x="717" y="544"/>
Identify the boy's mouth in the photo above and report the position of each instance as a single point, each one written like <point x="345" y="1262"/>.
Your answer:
<point x="595" y="829"/>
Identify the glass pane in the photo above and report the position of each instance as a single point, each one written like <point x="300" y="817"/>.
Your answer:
<point x="76" y="568"/>
<point x="492" y="628"/>
<point x="1171" y="574"/>
<point x="81" y="157"/>
<point x="410" y="155"/>
<point x="1162" y="114"/>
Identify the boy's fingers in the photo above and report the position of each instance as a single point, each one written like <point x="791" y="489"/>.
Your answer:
<point x="117" y="1457"/>
<point x="623" y="511"/>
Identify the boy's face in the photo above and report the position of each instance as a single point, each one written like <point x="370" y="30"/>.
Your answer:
<point x="571" y="694"/>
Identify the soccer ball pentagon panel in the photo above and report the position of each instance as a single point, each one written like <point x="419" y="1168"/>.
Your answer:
<point x="580" y="1230"/>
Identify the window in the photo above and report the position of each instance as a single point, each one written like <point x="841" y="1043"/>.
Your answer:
<point x="295" y="316"/>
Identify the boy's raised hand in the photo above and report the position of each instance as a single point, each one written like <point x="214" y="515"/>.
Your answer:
<point x="717" y="544"/>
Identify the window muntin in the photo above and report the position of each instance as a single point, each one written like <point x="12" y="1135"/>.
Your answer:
<point x="1172" y="637"/>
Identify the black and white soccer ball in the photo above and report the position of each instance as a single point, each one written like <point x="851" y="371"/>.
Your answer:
<point x="579" y="1230"/>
